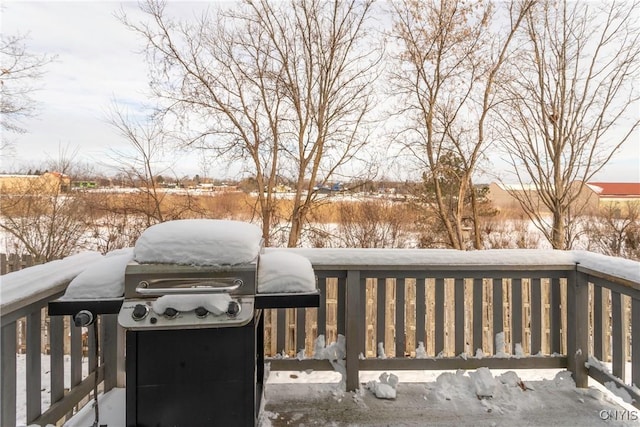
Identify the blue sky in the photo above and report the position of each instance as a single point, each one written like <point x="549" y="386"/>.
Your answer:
<point x="98" y="64"/>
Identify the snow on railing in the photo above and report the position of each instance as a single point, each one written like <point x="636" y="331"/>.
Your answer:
<point x="444" y="299"/>
<point x="24" y="295"/>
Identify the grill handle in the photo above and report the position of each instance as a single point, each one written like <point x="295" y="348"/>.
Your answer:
<point x="186" y="286"/>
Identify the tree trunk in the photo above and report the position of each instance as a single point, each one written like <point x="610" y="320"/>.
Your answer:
<point x="477" y="240"/>
<point x="558" y="231"/>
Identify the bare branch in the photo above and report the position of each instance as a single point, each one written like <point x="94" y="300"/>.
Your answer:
<point x="571" y="104"/>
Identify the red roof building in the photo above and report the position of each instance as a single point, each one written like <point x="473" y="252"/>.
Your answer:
<point x="616" y="190"/>
<point x="593" y="196"/>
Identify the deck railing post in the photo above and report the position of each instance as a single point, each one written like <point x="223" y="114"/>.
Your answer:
<point x="578" y="326"/>
<point x="635" y="344"/>
<point x="111" y="350"/>
<point x="353" y="312"/>
<point x="8" y="373"/>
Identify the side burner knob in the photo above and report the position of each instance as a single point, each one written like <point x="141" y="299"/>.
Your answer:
<point x="233" y="309"/>
<point x="201" y="312"/>
<point x="140" y="311"/>
<point x="170" y="313"/>
<point x="83" y="318"/>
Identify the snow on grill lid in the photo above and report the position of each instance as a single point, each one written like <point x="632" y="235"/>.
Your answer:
<point x="199" y="242"/>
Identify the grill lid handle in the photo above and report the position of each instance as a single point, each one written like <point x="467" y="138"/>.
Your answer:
<point x="187" y="286"/>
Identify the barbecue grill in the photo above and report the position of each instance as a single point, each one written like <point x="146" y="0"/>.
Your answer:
<point x="194" y="341"/>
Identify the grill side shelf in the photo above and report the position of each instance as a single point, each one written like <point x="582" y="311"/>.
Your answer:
<point x="72" y="307"/>
<point x="287" y="300"/>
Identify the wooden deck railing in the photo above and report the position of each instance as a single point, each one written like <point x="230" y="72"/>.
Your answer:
<point x="107" y="369"/>
<point x="551" y="315"/>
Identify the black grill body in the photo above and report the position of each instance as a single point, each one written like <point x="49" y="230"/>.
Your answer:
<point x="194" y="377"/>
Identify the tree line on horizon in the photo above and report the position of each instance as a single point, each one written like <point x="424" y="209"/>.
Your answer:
<point x="54" y="222"/>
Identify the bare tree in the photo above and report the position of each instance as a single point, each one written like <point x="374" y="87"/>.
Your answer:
<point x="140" y="165"/>
<point x="571" y="102"/>
<point x="283" y="86"/>
<point x="452" y="55"/>
<point x="41" y="218"/>
<point x="113" y="220"/>
<point x="19" y="71"/>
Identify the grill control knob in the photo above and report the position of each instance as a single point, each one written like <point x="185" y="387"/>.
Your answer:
<point x="140" y="311"/>
<point x="201" y="312"/>
<point x="233" y="309"/>
<point x="170" y="313"/>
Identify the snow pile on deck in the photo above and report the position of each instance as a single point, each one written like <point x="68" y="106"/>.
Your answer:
<point x="282" y="271"/>
<point x="334" y="351"/>
<point x="385" y="387"/>
<point x="484" y="383"/>
<point x="500" y="393"/>
<point x="199" y="242"/>
<point x="105" y="278"/>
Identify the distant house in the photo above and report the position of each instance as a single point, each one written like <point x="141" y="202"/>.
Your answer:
<point x="612" y="192"/>
<point x="47" y="183"/>
<point x="84" y="184"/>
<point x="503" y="196"/>
<point x="594" y="195"/>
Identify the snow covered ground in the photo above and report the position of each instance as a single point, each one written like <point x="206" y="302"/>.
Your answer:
<point x="507" y="398"/>
<point x="21" y="388"/>
<point x="429" y="398"/>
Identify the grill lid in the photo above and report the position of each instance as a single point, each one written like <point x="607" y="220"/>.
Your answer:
<point x="199" y="242"/>
<point x="154" y="280"/>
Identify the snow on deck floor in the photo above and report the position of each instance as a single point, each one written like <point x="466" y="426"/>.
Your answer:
<point x="445" y="401"/>
<point x="424" y="398"/>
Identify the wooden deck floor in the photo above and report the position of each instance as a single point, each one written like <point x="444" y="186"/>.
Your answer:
<point x="417" y="404"/>
<point x="424" y="404"/>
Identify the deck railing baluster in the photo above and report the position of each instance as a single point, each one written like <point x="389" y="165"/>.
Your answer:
<point x="421" y="309"/>
<point x="536" y="316"/>
<point x="400" y="318"/>
<point x="8" y="373"/>
<point x="617" y="329"/>
<point x="34" y="334"/>
<point x="477" y="315"/>
<point x="635" y="343"/>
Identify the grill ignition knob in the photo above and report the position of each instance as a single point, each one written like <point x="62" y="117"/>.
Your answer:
<point x="170" y="313"/>
<point x="140" y="311"/>
<point x="201" y="312"/>
<point x="233" y="309"/>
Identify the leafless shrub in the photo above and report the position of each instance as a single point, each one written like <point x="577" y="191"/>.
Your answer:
<point x="615" y="230"/>
<point x="375" y="224"/>
<point x="47" y="225"/>
<point x="511" y="233"/>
